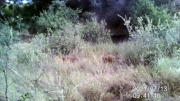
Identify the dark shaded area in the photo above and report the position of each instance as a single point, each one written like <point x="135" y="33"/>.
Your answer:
<point x="85" y="5"/>
<point x="107" y="10"/>
<point x="119" y="38"/>
<point x="162" y="2"/>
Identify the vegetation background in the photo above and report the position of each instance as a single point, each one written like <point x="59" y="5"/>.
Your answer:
<point x="62" y="50"/>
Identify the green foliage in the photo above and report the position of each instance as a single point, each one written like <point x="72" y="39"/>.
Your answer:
<point x="17" y="15"/>
<point x="7" y="35"/>
<point x="64" y="42"/>
<point x="60" y="41"/>
<point x="157" y="41"/>
<point x="131" y="52"/>
<point x="174" y="6"/>
<point x="145" y="8"/>
<point x="24" y="57"/>
<point x="3" y="56"/>
<point x="87" y="16"/>
<point x="162" y="2"/>
<point x="6" y="11"/>
<point x="56" y="16"/>
<point x="26" y="96"/>
<point x="168" y="70"/>
<point x="23" y="14"/>
<point x="18" y="70"/>
<point x="168" y="65"/>
<point x="95" y="32"/>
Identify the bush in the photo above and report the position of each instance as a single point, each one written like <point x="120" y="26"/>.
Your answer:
<point x="169" y="72"/>
<point x="59" y="41"/>
<point x="57" y="16"/>
<point x="156" y="41"/>
<point x="22" y="63"/>
<point x="162" y="2"/>
<point x="145" y="8"/>
<point x="7" y="35"/>
<point x="159" y="40"/>
<point x="168" y="65"/>
<point x="26" y="54"/>
<point x="132" y="52"/>
<point x="174" y="6"/>
<point x="18" y="16"/>
<point x="95" y="32"/>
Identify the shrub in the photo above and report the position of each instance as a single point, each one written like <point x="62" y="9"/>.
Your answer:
<point x="87" y="16"/>
<point x="22" y="63"/>
<point x="95" y="32"/>
<point x="162" y="2"/>
<point x="159" y="40"/>
<point x="168" y="65"/>
<point x="7" y="35"/>
<point x="18" y="16"/>
<point x="27" y="54"/>
<point x="174" y="6"/>
<point x="145" y="8"/>
<point x="60" y="41"/>
<point x="57" y="16"/>
<point x="132" y="52"/>
<point x="156" y="41"/>
<point x="168" y="71"/>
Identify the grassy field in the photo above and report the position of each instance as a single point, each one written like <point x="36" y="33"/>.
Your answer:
<point x="90" y="72"/>
<point x="79" y="62"/>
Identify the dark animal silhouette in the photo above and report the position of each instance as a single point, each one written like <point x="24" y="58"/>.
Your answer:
<point x="109" y="58"/>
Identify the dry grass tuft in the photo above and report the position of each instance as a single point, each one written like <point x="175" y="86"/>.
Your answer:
<point x="70" y="58"/>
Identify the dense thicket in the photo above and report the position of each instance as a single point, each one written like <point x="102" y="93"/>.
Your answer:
<point x="104" y="9"/>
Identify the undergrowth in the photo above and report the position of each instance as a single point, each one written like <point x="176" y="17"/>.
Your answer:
<point x="37" y="69"/>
